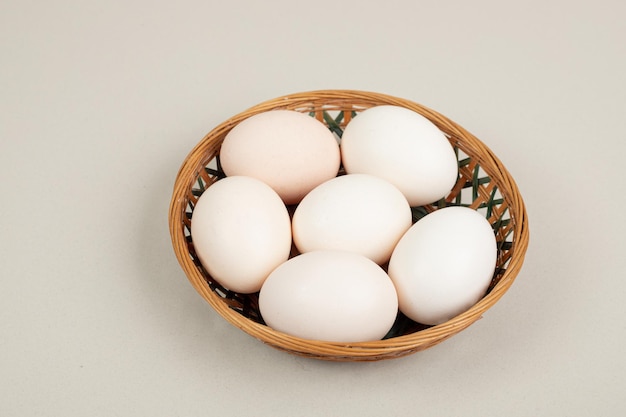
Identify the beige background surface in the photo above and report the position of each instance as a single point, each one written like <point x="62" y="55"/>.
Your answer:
<point x="100" y="102"/>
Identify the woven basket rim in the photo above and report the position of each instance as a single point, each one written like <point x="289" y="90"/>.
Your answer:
<point x="363" y="351"/>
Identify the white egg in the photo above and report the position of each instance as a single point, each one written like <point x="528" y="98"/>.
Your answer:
<point x="443" y="264"/>
<point x="289" y="150"/>
<point x="241" y="231"/>
<point x="403" y="147"/>
<point x="358" y="213"/>
<point x="334" y="296"/>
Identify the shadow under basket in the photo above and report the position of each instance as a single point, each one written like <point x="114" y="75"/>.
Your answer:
<point x="483" y="184"/>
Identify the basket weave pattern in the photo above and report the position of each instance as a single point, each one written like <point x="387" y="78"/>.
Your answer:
<point x="483" y="184"/>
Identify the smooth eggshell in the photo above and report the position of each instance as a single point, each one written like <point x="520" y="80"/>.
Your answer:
<point x="357" y="212"/>
<point x="443" y="264"/>
<point x="334" y="296"/>
<point x="290" y="151"/>
<point x="241" y="231"/>
<point x="403" y="147"/>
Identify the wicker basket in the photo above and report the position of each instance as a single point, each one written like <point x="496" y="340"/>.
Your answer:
<point x="484" y="184"/>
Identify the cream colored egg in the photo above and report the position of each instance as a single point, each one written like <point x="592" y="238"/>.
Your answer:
<point x="241" y="231"/>
<point x="443" y="264"/>
<point x="334" y="296"/>
<point x="403" y="147"/>
<point x="357" y="212"/>
<point x="290" y="151"/>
